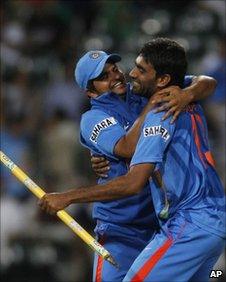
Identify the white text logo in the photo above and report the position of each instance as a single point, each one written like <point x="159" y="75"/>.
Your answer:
<point x="107" y="122"/>
<point x="216" y="273"/>
<point x="156" y="130"/>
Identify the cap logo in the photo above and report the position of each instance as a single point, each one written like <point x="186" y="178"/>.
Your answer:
<point x="94" y="55"/>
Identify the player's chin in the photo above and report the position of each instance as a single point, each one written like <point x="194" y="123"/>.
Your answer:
<point x="136" y="89"/>
<point x="120" y="90"/>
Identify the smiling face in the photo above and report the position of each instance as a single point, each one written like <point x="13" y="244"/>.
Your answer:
<point x="143" y="75"/>
<point x="111" y="79"/>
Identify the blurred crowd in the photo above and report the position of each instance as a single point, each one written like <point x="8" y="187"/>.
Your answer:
<point x="41" y="108"/>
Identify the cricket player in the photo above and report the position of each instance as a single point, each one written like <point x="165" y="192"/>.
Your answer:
<point x="119" y="218"/>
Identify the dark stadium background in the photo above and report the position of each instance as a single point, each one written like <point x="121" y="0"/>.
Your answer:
<point x="41" y="108"/>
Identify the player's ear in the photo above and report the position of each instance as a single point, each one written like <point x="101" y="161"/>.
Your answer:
<point x="163" y="80"/>
<point x="91" y="94"/>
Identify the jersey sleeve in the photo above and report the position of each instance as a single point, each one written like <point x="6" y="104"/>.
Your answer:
<point x="154" y="139"/>
<point x="100" y="131"/>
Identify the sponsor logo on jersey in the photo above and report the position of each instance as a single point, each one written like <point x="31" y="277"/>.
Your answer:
<point x="105" y="123"/>
<point x="156" y="130"/>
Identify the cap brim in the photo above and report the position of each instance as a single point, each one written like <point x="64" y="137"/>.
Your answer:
<point x="113" y="58"/>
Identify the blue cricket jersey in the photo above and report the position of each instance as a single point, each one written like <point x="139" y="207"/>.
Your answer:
<point x="186" y="183"/>
<point x="101" y="128"/>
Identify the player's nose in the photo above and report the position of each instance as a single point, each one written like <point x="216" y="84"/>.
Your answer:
<point x="117" y="75"/>
<point x="132" y="73"/>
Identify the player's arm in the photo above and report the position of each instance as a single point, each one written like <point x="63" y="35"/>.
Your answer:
<point x="127" y="185"/>
<point x="174" y="99"/>
<point x="202" y="87"/>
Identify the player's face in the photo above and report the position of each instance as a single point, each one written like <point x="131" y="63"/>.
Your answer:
<point x="143" y="78"/>
<point x="111" y="79"/>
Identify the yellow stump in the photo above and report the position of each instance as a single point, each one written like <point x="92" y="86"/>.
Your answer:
<point x="63" y="215"/>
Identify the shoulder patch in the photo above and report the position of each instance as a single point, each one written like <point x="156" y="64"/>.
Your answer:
<point x="107" y="122"/>
<point x="156" y="130"/>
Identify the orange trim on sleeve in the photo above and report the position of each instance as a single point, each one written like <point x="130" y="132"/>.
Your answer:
<point x="210" y="158"/>
<point x="197" y="140"/>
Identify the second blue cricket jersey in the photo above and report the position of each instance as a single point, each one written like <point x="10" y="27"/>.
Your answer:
<point x="188" y="183"/>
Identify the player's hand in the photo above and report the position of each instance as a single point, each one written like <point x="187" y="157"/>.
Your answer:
<point x="172" y="99"/>
<point x="100" y="166"/>
<point x="53" y="202"/>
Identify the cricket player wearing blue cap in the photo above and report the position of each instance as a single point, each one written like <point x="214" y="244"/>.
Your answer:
<point x="124" y="226"/>
<point x="101" y="130"/>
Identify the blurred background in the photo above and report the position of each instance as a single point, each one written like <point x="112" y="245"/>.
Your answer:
<point x="41" y="107"/>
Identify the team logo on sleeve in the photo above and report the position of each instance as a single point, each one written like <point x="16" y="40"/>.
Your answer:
<point x="156" y="130"/>
<point x="107" y="122"/>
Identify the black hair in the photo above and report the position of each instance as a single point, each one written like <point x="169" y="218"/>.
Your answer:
<point x="167" y="57"/>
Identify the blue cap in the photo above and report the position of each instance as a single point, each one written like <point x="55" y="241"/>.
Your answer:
<point x="91" y="65"/>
